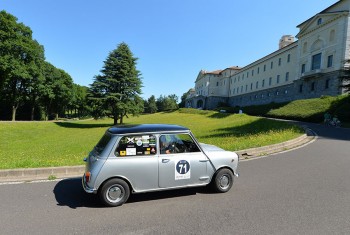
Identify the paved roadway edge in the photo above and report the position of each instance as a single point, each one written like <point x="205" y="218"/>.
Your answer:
<point x="52" y="173"/>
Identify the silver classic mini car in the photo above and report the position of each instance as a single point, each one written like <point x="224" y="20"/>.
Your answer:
<point x="153" y="157"/>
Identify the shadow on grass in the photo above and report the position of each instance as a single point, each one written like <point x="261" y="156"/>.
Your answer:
<point x="70" y="193"/>
<point x="260" y="126"/>
<point x="82" y="125"/>
<point x="220" y="115"/>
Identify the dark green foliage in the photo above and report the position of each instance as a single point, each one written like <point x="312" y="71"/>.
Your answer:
<point x="167" y="103"/>
<point x="345" y="76"/>
<point x="28" y="84"/>
<point x="20" y="62"/>
<point x="150" y="105"/>
<point x="311" y="110"/>
<point x="116" y="90"/>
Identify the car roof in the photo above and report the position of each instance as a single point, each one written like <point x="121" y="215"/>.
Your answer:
<point x="146" y="128"/>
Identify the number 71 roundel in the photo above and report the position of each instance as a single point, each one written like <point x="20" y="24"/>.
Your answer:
<point x="182" y="170"/>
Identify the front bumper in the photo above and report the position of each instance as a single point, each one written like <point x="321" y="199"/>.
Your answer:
<point x="86" y="187"/>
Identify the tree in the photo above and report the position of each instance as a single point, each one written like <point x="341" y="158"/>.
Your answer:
<point x="78" y="102"/>
<point x="184" y="97"/>
<point x="56" y="93"/>
<point x="151" y="106"/>
<point x="167" y="103"/>
<point x="20" y="59"/>
<point x="118" y="86"/>
<point x="345" y="76"/>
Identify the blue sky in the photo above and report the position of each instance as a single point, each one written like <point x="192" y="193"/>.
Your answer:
<point x="173" y="40"/>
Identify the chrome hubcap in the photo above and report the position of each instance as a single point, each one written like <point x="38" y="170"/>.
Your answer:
<point x="224" y="182"/>
<point x="115" y="193"/>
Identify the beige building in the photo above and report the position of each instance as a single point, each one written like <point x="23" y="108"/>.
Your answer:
<point x="306" y="68"/>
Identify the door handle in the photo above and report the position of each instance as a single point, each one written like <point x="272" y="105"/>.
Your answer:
<point x="206" y="160"/>
<point x="165" y="160"/>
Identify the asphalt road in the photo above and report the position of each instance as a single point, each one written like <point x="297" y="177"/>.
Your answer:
<point x="303" y="191"/>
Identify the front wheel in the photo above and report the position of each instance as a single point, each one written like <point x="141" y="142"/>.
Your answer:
<point x="115" y="192"/>
<point x="222" y="181"/>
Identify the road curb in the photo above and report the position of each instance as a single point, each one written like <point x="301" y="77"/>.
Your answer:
<point x="33" y="174"/>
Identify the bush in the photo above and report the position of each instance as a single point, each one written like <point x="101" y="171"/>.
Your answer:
<point x="311" y="110"/>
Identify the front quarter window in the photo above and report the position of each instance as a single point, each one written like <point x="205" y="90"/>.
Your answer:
<point x="177" y="143"/>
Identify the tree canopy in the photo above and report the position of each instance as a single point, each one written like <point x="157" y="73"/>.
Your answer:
<point x="118" y="87"/>
<point x="345" y="76"/>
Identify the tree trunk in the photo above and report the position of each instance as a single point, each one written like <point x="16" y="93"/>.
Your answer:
<point x="14" y="109"/>
<point x="115" y="122"/>
<point x="121" y="118"/>
<point x="32" y="113"/>
<point x="56" y="118"/>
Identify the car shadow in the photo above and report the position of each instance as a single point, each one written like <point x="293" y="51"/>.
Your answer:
<point x="69" y="192"/>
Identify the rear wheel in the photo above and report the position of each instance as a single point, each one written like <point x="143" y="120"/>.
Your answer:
<point x="114" y="192"/>
<point x="223" y="181"/>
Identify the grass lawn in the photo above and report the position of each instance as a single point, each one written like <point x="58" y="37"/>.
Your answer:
<point x="44" y="144"/>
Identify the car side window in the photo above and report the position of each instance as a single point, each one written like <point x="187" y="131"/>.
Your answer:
<point x="136" y="145"/>
<point x="177" y="143"/>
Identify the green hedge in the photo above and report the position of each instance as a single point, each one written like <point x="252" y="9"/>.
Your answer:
<point x="310" y="110"/>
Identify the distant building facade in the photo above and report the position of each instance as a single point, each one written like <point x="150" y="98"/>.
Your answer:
<point x="306" y="68"/>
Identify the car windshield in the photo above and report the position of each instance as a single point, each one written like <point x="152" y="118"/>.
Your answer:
<point x="102" y="143"/>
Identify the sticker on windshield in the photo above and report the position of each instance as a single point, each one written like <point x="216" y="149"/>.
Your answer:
<point x="182" y="170"/>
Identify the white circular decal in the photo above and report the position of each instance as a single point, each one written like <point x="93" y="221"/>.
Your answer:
<point x="182" y="170"/>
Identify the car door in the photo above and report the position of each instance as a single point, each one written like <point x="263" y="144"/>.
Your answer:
<point x="183" y="165"/>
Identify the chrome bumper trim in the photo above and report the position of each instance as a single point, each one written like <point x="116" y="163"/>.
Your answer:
<point x="87" y="188"/>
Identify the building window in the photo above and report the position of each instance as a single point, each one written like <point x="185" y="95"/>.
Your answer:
<point x="242" y="77"/>
<point x="316" y="61"/>
<point x="301" y="88"/>
<point x="302" y="68"/>
<point x="287" y="76"/>
<point x="319" y="21"/>
<point x="327" y="84"/>
<point x="278" y="79"/>
<point x="330" y="61"/>
<point x="264" y="67"/>
<point x="279" y="61"/>
<point x="252" y="72"/>
<point x="247" y="74"/>
<point x="258" y="70"/>
<point x="286" y="92"/>
<point x="241" y="89"/>
<point x="313" y="86"/>
<point x="246" y="88"/>
<point x="277" y="92"/>
<point x="251" y="86"/>
<point x="288" y="58"/>
<point x="257" y="85"/>
<point x="263" y="83"/>
<point x="270" y="81"/>
<point x="271" y="65"/>
<point x="217" y="83"/>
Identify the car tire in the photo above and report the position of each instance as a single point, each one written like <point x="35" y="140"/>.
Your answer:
<point x="222" y="181"/>
<point x="114" y="192"/>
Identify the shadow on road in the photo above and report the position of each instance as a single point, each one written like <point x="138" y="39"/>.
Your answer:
<point x="69" y="192"/>
<point x="328" y="132"/>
